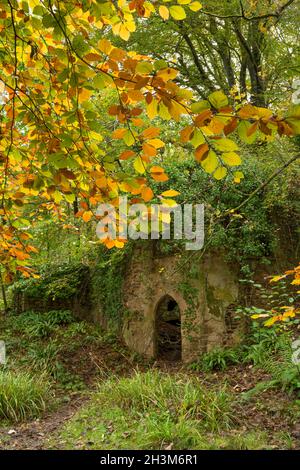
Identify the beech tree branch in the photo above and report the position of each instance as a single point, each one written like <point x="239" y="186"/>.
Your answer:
<point x="264" y="184"/>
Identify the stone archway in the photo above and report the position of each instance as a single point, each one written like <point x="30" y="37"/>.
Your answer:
<point x="168" y="340"/>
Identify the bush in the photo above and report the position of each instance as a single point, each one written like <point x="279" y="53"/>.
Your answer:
<point x="22" y="397"/>
<point x="217" y="359"/>
<point x="45" y="357"/>
<point x="40" y="325"/>
<point x="59" y="317"/>
<point x="56" y="282"/>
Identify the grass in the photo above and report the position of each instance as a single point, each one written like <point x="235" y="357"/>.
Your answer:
<point x="22" y="396"/>
<point x="155" y="410"/>
<point x="40" y="351"/>
<point x="131" y="409"/>
<point x="217" y="359"/>
<point x="180" y="399"/>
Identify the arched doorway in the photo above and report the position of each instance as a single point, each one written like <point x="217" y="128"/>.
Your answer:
<point x="168" y="330"/>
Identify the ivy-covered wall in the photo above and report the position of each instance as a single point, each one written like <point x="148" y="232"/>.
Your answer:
<point x="65" y="286"/>
<point x="202" y="289"/>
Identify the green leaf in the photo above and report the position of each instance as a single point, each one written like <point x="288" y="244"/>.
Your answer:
<point x="128" y="138"/>
<point x="62" y="76"/>
<point x="39" y="10"/>
<point x="225" y="145"/>
<point x="198" y="138"/>
<point x="231" y="159"/>
<point x="243" y="128"/>
<point x="177" y="12"/>
<point x="211" y="162"/>
<point x="49" y="21"/>
<point x="144" y="68"/>
<point x="99" y="81"/>
<point x="220" y="173"/>
<point x="160" y="64"/>
<point x="200" y="106"/>
<point x="218" y="99"/>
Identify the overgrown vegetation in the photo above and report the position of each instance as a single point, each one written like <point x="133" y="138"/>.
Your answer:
<point x="42" y="368"/>
<point x="151" y="410"/>
<point x="155" y="410"/>
<point x="22" y="396"/>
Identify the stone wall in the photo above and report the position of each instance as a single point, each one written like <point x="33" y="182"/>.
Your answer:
<point x="202" y="300"/>
<point x="202" y="288"/>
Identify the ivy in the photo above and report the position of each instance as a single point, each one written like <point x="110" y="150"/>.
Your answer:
<point x="107" y="283"/>
<point x="60" y="282"/>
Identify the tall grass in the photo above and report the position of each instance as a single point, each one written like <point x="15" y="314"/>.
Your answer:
<point x="22" y="397"/>
<point x="151" y="410"/>
<point x="176" y="397"/>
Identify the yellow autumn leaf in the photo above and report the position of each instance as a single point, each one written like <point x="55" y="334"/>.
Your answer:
<point x="225" y="145"/>
<point x="156" y="143"/>
<point x="170" y="193"/>
<point x="177" y="12"/>
<point x="139" y="165"/>
<point x="195" y="6"/>
<point x="152" y="109"/>
<point x="167" y="73"/>
<point x="210" y="163"/>
<point x="105" y="46"/>
<point x="169" y="202"/>
<point x="231" y="159"/>
<point x="124" y="33"/>
<point x="273" y="320"/>
<point x="164" y="112"/>
<point x="164" y="12"/>
<point x="220" y="173"/>
<point x="237" y="176"/>
<point x="278" y="278"/>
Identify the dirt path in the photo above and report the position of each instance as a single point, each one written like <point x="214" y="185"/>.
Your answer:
<point x="33" y="435"/>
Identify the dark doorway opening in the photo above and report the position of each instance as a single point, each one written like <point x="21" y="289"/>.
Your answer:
<point x="168" y="330"/>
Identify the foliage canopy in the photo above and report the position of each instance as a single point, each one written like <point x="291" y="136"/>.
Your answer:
<point x="75" y="112"/>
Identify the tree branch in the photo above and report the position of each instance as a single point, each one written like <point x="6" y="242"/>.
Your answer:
<point x="263" y="185"/>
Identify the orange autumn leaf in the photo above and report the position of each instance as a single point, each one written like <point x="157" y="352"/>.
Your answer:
<point x="127" y="154"/>
<point x="151" y="132"/>
<point x="149" y="150"/>
<point x="201" y="152"/>
<point x="147" y="194"/>
<point x="86" y="216"/>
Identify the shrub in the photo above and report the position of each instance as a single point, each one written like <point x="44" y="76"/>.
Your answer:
<point x="217" y="359"/>
<point x="60" y="317"/>
<point x="22" y="397"/>
<point x="45" y="357"/>
<point x="40" y="325"/>
<point x="273" y="354"/>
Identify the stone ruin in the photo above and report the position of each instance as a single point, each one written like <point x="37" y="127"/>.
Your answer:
<point x="174" y="318"/>
<point x="171" y="313"/>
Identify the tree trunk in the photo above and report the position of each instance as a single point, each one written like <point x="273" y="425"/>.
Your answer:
<point x="4" y="295"/>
